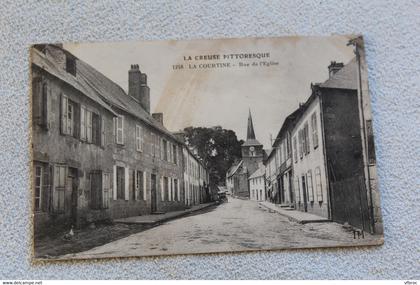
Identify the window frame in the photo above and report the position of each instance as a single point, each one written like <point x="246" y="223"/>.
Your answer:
<point x="139" y="138"/>
<point x="59" y="190"/>
<point x="314" y="127"/>
<point x="67" y="123"/>
<point x="40" y="186"/>
<point x="119" y="130"/>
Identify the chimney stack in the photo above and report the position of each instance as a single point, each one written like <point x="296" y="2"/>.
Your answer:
<point x="137" y="87"/>
<point x="334" y="67"/>
<point x="158" y="117"/>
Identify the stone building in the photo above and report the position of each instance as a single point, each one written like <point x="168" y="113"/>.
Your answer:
<point x="98" y="153"/>
<point x="328" y="161"/>
<point x="322" y="160"/>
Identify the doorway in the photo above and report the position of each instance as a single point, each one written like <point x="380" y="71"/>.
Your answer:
<point x="305" y="199"/>
<point x="153" y="193"/>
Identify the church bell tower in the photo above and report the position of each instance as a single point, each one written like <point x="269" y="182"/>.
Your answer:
<point x="252" y="149"/>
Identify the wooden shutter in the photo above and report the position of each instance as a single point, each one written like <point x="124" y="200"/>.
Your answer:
<point x="162" y="190"/>
<point x="45" y="105"/>
<point x="36" y="99"/>
<point x="82" y="122"/>
<point x="297" y="191"/>
<point x="102" y="131"/>
<point x="46" y="188"/>
<point x="170" y="189"/>
<point x="76" y="120"/>
<point x="114" y="183"/>
<point x="63" y="113"/>
<point x="126" y="183"/>
<point x="145" y="183"/>
<point x="310" y="186"/>
<point x="318" y="184"/>
<point x="135" y="184"/>
<point x="314" y="131"/>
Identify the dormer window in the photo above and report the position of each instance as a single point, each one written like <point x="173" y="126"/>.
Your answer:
<point x="71" y="65"/>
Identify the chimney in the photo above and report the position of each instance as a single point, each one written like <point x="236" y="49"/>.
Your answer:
<point x="180" y="136"/>
<point x="334" y="67"/>
<point x="158" y="117"/>
<point x="137" y="87"/>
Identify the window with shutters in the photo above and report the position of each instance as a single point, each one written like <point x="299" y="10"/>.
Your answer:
<point x="38" y="187"/>
<point x="60" y="177"/>
<point x="318" y="185"/>
<point x="120" y="183"/>
<point x="40" y="91"/>
<point x="67" y="116"/>
<point x="314" y="128"/>
<point x="165" y="150"/>
<point x="140" y="185"/>
<point x="139" y="138"/>
<point x="119" y="129"/>
<point x="310" y="186"/>
<point x="96" y="129"/>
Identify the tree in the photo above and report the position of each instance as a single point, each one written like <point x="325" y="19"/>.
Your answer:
<point x="217" y="147"/>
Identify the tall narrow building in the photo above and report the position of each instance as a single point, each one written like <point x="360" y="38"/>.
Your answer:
<point x="252" y="158"/>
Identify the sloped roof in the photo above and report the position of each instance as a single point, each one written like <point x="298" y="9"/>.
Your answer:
<point x="100" y="88"/>
<point x="345" y="78"/>
<point x="40" y="60"/>
<point x="234" y="168"/>
<point x="259" y="172"/>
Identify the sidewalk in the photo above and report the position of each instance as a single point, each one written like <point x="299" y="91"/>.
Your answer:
<point x="160" y="218"/>
<point x="294" y="215"/>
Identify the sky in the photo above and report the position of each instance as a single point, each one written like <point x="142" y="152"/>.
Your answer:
<point x="214" y="96"/>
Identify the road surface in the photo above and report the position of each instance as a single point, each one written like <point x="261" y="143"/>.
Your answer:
<point x="239" y="225"/>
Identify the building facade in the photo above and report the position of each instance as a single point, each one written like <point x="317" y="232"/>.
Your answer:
<point x="98" y="153"/>
<point x="257" y="185"/>
<point x="322" y="160"/>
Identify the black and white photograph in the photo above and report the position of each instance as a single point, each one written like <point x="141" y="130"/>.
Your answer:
<point x="150" y="148"/>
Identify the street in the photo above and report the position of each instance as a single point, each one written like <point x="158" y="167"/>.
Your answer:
<point x="239" y="225"/>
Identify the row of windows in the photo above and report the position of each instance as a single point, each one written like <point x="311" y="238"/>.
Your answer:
<point x="257" y="194"/>
<point x="158" y="146"/>
<point x="283" y="151"/>
<point x="81" y="122"/>
<point x="309" y="186"/>
<point x="170" y="190"/>
<point x="258" y="180"/>
<point x="100" y="186"/>
<point x="303" y="138"/>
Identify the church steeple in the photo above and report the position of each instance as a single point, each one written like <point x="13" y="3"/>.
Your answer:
<point x="250" y="134"/>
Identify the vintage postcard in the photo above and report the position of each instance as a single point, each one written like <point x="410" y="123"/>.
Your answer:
<point x="201" y="146"/>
